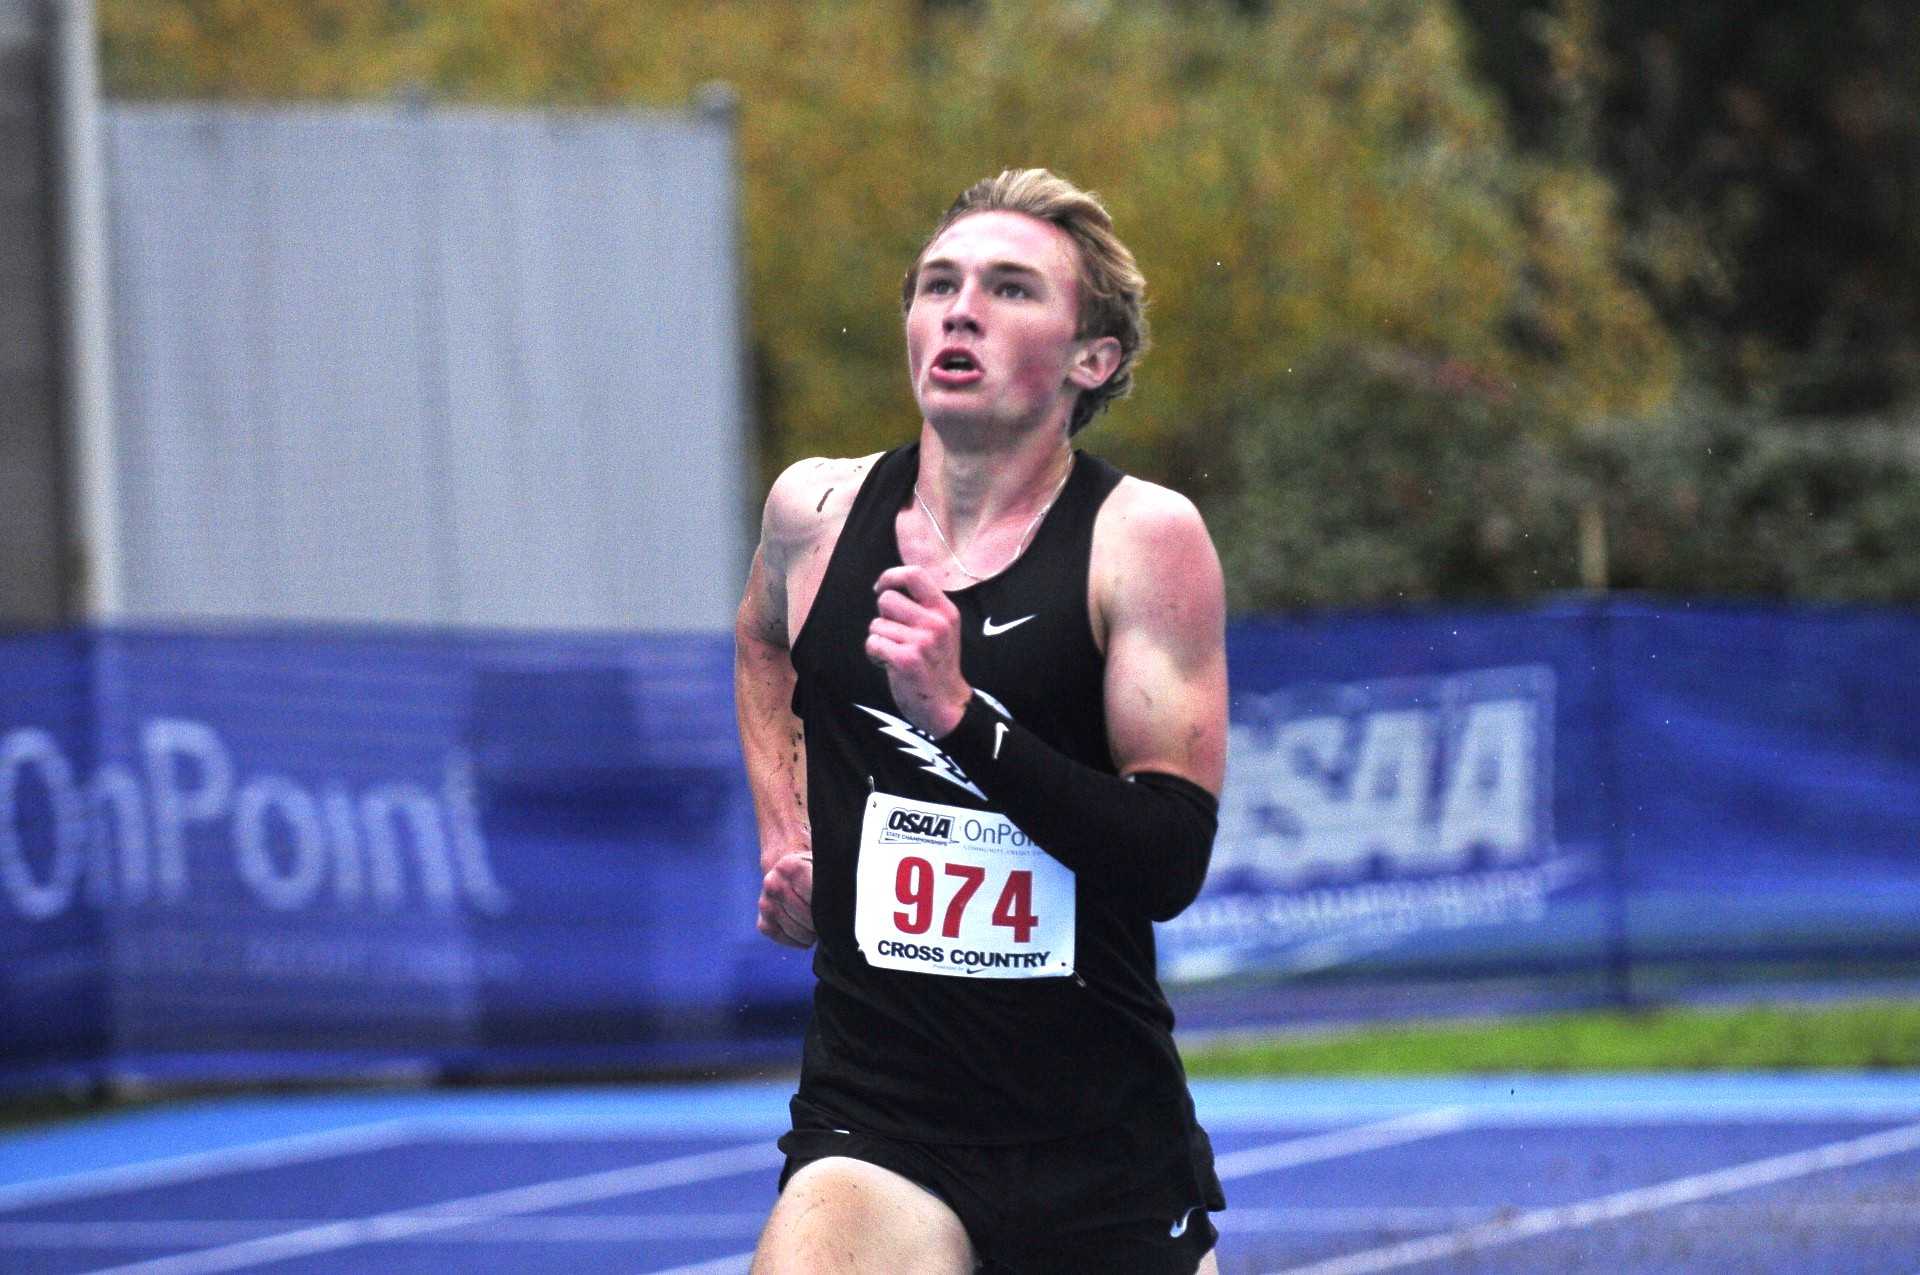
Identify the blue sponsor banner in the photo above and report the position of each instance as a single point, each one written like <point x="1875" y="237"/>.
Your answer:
<point x="260" y="853"/>
<point x="255" y="853"/>
<point x="1582" y="789"/>
<point x="54" y="993"/>
<point x="1769" y="771"/>
<point x="1405" y="789"/>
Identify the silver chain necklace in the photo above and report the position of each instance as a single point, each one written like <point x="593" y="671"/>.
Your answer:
<point x="1018" y="549"/>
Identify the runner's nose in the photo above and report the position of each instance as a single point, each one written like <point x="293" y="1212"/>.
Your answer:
<point x="962" y="313"/>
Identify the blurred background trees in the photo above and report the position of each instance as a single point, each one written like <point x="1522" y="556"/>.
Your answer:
<point x="1454" y="299"/>
<point x="1767" y="159"/>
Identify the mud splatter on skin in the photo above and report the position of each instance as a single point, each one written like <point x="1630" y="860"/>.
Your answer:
<point x="799" y="771"/>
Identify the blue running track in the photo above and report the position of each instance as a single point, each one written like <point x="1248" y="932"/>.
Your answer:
<point x="1623" y="1175"/>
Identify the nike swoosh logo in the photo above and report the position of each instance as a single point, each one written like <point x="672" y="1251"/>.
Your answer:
<point x="1180" y="1228"/>
<point x="989" y="629"/>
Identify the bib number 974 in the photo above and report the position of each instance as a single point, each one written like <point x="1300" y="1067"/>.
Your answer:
<point x="913" y="884"/>
<point x="963" y="893"/>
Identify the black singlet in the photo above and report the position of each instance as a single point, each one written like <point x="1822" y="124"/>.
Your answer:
<point x="945" y="1059"/>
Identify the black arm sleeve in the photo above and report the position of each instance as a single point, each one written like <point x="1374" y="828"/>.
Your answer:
<point x="1145" y="838"/>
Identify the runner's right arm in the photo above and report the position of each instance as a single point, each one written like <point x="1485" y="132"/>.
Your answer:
<point x="770" y="735"/>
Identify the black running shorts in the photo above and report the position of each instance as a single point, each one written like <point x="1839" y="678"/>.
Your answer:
<point x="1132" y="1197"/>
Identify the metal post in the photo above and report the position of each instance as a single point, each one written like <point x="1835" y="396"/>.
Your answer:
<point x="86" y="315"/>
<point x="1619" y="955"/>
<point x="717" y="103"/>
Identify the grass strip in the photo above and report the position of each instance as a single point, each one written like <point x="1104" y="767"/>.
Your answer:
<point x="1854" y="1035"/>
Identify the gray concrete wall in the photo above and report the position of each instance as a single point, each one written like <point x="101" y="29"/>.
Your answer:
<point x="428" y="366"/>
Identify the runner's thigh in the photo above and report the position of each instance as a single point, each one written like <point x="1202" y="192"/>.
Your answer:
<point x="839" y="1216"/>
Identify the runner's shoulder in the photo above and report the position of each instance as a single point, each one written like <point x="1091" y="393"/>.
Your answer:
<point x="1144" y="517"/>
<point x="1152" y="558"/>
<point x="810" y="499"/>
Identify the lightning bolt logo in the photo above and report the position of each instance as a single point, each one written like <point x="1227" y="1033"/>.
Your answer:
<point x="916" y="743"/>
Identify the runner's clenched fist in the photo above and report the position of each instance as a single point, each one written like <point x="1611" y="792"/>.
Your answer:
<point x="916" y="639"/>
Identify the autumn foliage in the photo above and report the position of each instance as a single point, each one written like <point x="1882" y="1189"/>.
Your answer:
<point x="1397" y="356"/>
<point x="1329" y="174"/>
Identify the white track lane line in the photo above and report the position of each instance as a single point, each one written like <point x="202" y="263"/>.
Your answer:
<point x="126" y="1233"/>
<point x="556" y="1229"/>
<point x="1341" y="1142"/>
<point x="269" y="1154"/>
<point x="1241" y="1164"/>
<point x="1621" y="1204"/>
<point x="732" y="1264"/>
<point x="1319" y="1220"/>
<point x="449" y="1214"/>
<point x="1245" y="1162"/>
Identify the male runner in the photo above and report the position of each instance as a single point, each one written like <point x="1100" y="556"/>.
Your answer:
<point x="981" y="682"/>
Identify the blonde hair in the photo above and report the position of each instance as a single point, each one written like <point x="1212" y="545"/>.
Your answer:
<point x="1113" y="292"/>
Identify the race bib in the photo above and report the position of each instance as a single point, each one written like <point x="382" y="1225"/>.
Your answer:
<point x="943" y="890"/>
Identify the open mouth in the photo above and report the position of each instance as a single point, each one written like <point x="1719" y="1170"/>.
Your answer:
<point x="954" y="367"/>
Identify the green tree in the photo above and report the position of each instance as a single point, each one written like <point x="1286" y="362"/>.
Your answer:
<point x="1768" y="158"/>
<point x="1364" y="479"/>
<point x="1731" y="503"/>
<point x="1295" y="180"/>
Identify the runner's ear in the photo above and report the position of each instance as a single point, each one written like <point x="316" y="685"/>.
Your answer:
<point x="1097" y="360"/>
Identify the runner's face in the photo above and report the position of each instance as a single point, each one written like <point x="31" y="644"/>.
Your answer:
<point x="990" y="329"/>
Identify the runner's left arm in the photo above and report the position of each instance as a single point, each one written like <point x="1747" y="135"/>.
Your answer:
<point x="1146" y="835"/>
